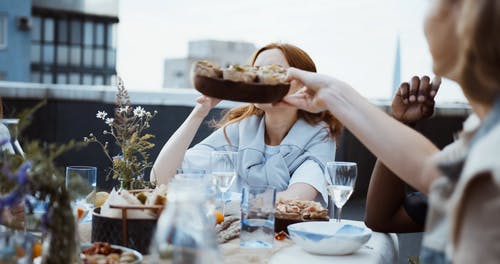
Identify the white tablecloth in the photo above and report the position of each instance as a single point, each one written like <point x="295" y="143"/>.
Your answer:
<point x="381" y="248"/>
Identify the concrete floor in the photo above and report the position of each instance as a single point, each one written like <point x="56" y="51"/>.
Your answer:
<point x="409" y="244"/>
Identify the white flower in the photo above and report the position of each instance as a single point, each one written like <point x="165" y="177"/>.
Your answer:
<point x="123" y="109"/>
<point x="109" y="121"/>
<point x="139" y="111"/>
<point x="101" y="114"/>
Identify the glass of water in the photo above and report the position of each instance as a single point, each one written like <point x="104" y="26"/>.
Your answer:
<point x="224" y="165"/>
<point x="83" y="179"/>
<point x="258" y="204"/>
<point x="341" y="178"/>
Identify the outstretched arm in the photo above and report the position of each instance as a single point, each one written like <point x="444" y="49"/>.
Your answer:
<point x="403" y="150"/>
<point x="172" y="153"/>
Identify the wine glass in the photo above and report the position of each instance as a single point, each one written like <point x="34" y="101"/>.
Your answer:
<point x="341" y="178"/>
<point x="224" y="166"/>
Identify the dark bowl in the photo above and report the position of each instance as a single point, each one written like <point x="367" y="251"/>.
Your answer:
<point x="240" y="91"/>
<point x="281" y="224"/>
<point x="138" y="232"/>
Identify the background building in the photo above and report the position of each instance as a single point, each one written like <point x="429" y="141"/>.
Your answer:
<point x="177" y="70"/>
<point x="58" y="41"/>
<point x="15" y="40"/>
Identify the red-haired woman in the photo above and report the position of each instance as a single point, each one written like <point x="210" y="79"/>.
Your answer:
<point x="278" y="144"/>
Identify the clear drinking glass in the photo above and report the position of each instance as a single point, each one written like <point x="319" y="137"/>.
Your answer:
<point x="258" y="204"/>
<point x="83" y="178"/>
<point x="199" y="176"/>
<point x="341" y="178"/>
<point x="16" y="247"/>
<point x="224" y="165"/>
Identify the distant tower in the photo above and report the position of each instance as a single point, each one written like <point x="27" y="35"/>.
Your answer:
<point x="396" y="78"/>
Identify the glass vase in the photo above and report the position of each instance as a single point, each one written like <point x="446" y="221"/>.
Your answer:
<point x="61" y="244"/>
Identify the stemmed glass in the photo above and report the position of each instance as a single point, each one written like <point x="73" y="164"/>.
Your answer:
<point x="224" y="165"/>
<point x="341" y="178"/>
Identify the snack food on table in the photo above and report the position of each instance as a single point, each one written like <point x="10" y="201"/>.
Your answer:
<point x="280" y="236"/>
<point x="208" y="69"/>
<point x="100" y="198"/>
<point x="90" y="197"/>
<point x="242" y="83"/>
<point x="271" y="74"/>
<point x="300" y="210"/>
<point x="125" y="198"/>
<point x="100" y="252"/>
<point x="267" y="74"/>
<point x="228" y="229"/>
<point x="240" y="73"/>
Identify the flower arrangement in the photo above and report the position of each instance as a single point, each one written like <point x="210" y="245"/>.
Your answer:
<point x="35" y="174"/>
<point x="127" y="128"/>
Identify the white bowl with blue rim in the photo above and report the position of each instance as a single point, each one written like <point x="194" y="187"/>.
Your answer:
<point x="330" y="238"/>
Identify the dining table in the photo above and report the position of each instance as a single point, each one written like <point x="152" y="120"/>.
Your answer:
<point x="380" y="248"/>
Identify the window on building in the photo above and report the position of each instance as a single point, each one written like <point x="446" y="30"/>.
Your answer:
<point x="48" y="30"/>
<point x="74" y="78"/>
<point x="62" y="78"/>
<point x="62" y="55"/>
<point x="3" y="31"/>
<point x="62" y="31"/>
<point x="3" y="76"/>
<point x="87" y="79"/>
<point x="35" y="76"/>
<point x="47" y="78"/>
<point x="48" y="53"/>
<point x="88" y="35"/>
<point x="36" y="53"/>
<point x="99" y="57"/>
<point x="36" y="29"/>
<point x="72" y="49"/>
<point x="98" y="80"/>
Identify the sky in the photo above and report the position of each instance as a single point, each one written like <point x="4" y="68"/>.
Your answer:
<point x="353" y="40"/>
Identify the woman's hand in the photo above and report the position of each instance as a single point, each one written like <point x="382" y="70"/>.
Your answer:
<point x="414" y="101"/>
<point x="205" y="104"/>
<point x="317" y="91"/>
